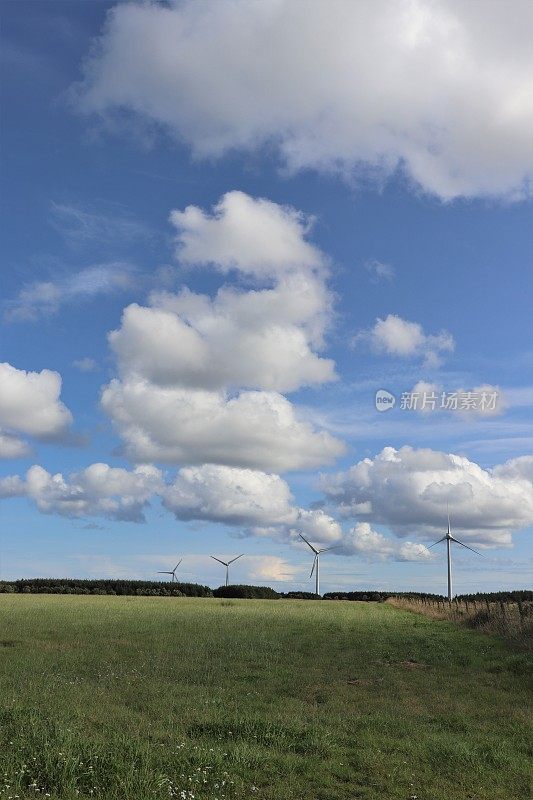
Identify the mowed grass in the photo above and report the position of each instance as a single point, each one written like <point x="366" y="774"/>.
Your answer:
<point x="134" y="698"/>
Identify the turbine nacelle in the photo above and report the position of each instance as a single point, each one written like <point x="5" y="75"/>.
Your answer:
<point x="448" y="538"/>
<point x="226" y="564"/>
<point x="316" y="562"/>
<point x="170" y="571"/>
<point x="451" y="538"/>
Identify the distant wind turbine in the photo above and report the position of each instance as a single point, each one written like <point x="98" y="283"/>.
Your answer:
<point x="448" y="538"/>
<point x="170" y="571"/>
<point x="226" y="564"/>
<point x="316" y="562"/>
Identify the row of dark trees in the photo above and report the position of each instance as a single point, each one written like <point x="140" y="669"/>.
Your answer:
<point x="178" y="589"/>
<point x="523" y="595"/>
<point x="105" y="586"/>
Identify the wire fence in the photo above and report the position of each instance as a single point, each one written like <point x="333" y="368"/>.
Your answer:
<point x="512" y="620"/>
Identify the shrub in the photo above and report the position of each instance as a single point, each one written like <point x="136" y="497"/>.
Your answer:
<point x="247" y="592"/>
<point x="375" y="597"/>
<point x="479" y="619"/>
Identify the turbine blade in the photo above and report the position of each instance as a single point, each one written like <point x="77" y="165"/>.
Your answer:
<point x="313" y="567"/>
<point x="235" y="559"/>
<point x="177" y="565"/>
<point x="467" y="547"/>
<point x="163" y="572"/>
<point x="219" y="561"/>
<point x="325" y="549"/>
<point x="308" y="543"/>
<point x="437" y="542"/>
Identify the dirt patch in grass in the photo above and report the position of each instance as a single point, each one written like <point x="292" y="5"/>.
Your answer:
<point x="408" y="663"/>
<point x="411" y="665"/>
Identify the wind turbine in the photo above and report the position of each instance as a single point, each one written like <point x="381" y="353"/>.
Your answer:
<point x="448" y="538"/>
<point x="316" y="562"/>
<point x="170" y="571"/>
<point x="226" y="564"/>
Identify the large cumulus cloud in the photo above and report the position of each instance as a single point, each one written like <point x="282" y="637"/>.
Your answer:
<point x="409" y="490"/>
<point x="98" y="490"/>
<point x="201" y="378"/>
<point x="259" y="339"/>
<point x="259" y="430"/>
<point x="439" y="90"/>
<point x="229" y="495"/>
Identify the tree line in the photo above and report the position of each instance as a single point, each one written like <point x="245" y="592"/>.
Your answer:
<point x="106" y="586"/>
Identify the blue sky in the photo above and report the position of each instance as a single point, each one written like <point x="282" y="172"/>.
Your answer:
<point x="386" y="245"/>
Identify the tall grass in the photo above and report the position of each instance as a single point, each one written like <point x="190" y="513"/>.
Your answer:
<point x="512" y="621"/>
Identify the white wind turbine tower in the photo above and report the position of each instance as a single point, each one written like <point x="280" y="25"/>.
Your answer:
<point x="448" y="538"/>
<point x="170" y="571"/>
<point x="316" y="562"/>
<point x="226" y="564"/>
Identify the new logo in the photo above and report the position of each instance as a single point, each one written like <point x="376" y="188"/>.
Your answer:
<point x="384" y="400"/>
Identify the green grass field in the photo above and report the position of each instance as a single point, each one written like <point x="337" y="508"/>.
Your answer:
<point x="134" y="698"/>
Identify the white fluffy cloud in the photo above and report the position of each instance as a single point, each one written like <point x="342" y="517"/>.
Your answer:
<point x="13" y="447"/>
<point x="252" y="235"/>
<point x="441" y="90"/>
<point x="229" y="495"/>
<point x="259" y="503"/>
<point x="255" y="339"/>
<point x="200" y="377"/>
<point x="259" y="430"/>
<point x="317" y="526"/>
<point x="518" y="469"/>
<point x="408" y="490"/>
<point x="12" y="486"/>
<point x="30" y="404"/>
<point x="398" y="337"/>
<point x="413" y="551"/>
<point x="251" y="502"/>
<point x="99" y="490"/>
<point x="362" y="540"/>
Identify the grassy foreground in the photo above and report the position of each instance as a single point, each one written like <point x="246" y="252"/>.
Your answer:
<point x="132" y="698"/>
